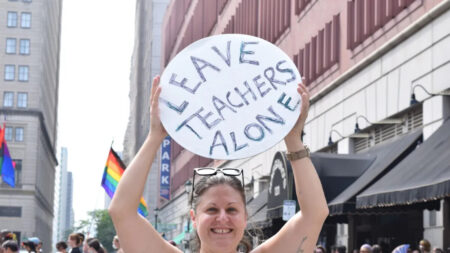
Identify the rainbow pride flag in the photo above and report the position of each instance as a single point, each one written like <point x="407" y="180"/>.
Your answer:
<point x="6" y="164"/>
<point x="113" y="172"/>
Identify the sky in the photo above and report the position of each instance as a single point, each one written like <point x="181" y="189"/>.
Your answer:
<point x="97" y="40"/>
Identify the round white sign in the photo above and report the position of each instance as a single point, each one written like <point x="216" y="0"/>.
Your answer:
<point x="229" y="96"/>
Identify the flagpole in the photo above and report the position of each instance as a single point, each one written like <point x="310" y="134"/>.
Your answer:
<point x="96" y="198"/>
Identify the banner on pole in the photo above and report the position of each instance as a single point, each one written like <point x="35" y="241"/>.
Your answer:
<point x="164" y="188"/>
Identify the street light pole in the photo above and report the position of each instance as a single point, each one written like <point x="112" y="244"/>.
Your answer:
<point x="156" y="219"/>
<point x="188" y="189"/>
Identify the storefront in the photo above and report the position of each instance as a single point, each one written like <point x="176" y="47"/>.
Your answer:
<point x="421" y="180"/>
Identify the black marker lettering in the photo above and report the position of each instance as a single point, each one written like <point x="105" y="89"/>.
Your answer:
<point x="278" y="119"/>
<point x="269" y="73"/>
<point x="286" y="104"/>
<point x="236" y="147"/>
<point x="220" y="105"/>
<point x="286" y="70"/>
<point x="243" y="53"/>
<point x="259" y="85"/>
<point x="202" y="118"/>
<point x="199" y="68"/>
<point x="222" y="143"/>
<point x="256" y="126"/>
<point x="228" y="100"/>
<point x="245" y="93"/>
<point x="227" y="59"/>
<point x="182" y="84"/>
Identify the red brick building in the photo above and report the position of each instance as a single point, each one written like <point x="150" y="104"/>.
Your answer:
<point x="356" y="56"/>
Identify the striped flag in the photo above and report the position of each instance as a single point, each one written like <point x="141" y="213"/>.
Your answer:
<point x="114" y="169"/>
<point x="6" y="164"/>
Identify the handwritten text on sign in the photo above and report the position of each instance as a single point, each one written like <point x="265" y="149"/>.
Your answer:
<point x="229" y="96"/>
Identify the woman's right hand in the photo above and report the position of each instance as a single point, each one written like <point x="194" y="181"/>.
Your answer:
<point x="135" y="232"/>
<point x="157" y="130"/>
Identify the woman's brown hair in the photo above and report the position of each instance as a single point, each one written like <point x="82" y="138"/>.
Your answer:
<point x="75" y="237"/>
<point x="202" y="186"/>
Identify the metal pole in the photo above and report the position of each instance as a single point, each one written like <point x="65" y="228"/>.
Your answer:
<point x="156" y="221"/>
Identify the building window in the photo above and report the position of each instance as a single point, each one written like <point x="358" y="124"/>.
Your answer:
<point x="10" y="72"/>
<point x="11" y="46"/>
<point x="22" y="99"/>
<point x="17" y="170"/>
<point x="25" y="21"/>
<point x="23" y="73"/>
<point x="432" y="218"/>
<point x="8" y="133"/>
<point x="19" y="134"/>
<point x="12" y="19"/>
<point x="411" y="120"/>
<point x="24" y="46"/>
<point x="8" y="99"/>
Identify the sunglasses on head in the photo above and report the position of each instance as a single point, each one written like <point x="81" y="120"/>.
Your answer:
<point x="207" y="171"/>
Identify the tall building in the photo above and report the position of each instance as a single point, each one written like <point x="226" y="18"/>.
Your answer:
<point x="70" y="214"/>
<point x="145" y="64"/>
<point x="64" y="215"/>
<point x="377" y="76"/>
<point x="29" y="70"/>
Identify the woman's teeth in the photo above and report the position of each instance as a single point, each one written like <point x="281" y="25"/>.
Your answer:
<point x="221" y="231"/>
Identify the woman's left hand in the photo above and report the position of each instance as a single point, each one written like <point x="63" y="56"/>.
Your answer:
<point x="296" y="131"/>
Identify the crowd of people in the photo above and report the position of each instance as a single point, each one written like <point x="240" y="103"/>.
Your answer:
<point x="424" y="246"/>
<point x="76" y="243"/>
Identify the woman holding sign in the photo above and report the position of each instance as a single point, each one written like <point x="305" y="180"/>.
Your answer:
<point x="218" y="207"/>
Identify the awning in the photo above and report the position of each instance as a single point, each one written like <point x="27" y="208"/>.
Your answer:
<point x="338" y="171"/>
<point x="259" y="220"/>
<point x="387" y="155"/>
<point x="257" y="211"/>
<point x="179" y="238"/>
<point x="256" y="204"/>
<point x="422" y="176"/>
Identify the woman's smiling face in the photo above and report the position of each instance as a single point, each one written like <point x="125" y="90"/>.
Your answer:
<point x="220" y="219"/>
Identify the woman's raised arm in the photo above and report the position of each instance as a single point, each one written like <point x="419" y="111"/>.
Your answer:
<point x="300" y="233"/>
<point x="136" y="233"/>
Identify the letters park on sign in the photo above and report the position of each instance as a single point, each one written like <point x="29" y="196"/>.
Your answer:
<point x="229" y="96"/>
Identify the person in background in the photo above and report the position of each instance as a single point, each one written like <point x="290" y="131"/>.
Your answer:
<point x="95" y="247"/>
<point x="320" y="249"/>
<point x="81" y="245"/>
<point x="116" y="245"/>
<point x="61" y="247"/>
<point x="424" y="246"/>
<point x="74" y="242"/>
<point x="376" y="249"/>
<point x="341" y="249"/>
<point x="10" y="246"/>
<point x="404" y="248"/>
<point x="438" y="250"/>
<point x="29" y="246"/>
<point x="86" y="244"/>
<point x="37" y="242"/>
<point x="334" y="249"/>
<point x="365" y="248"/>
